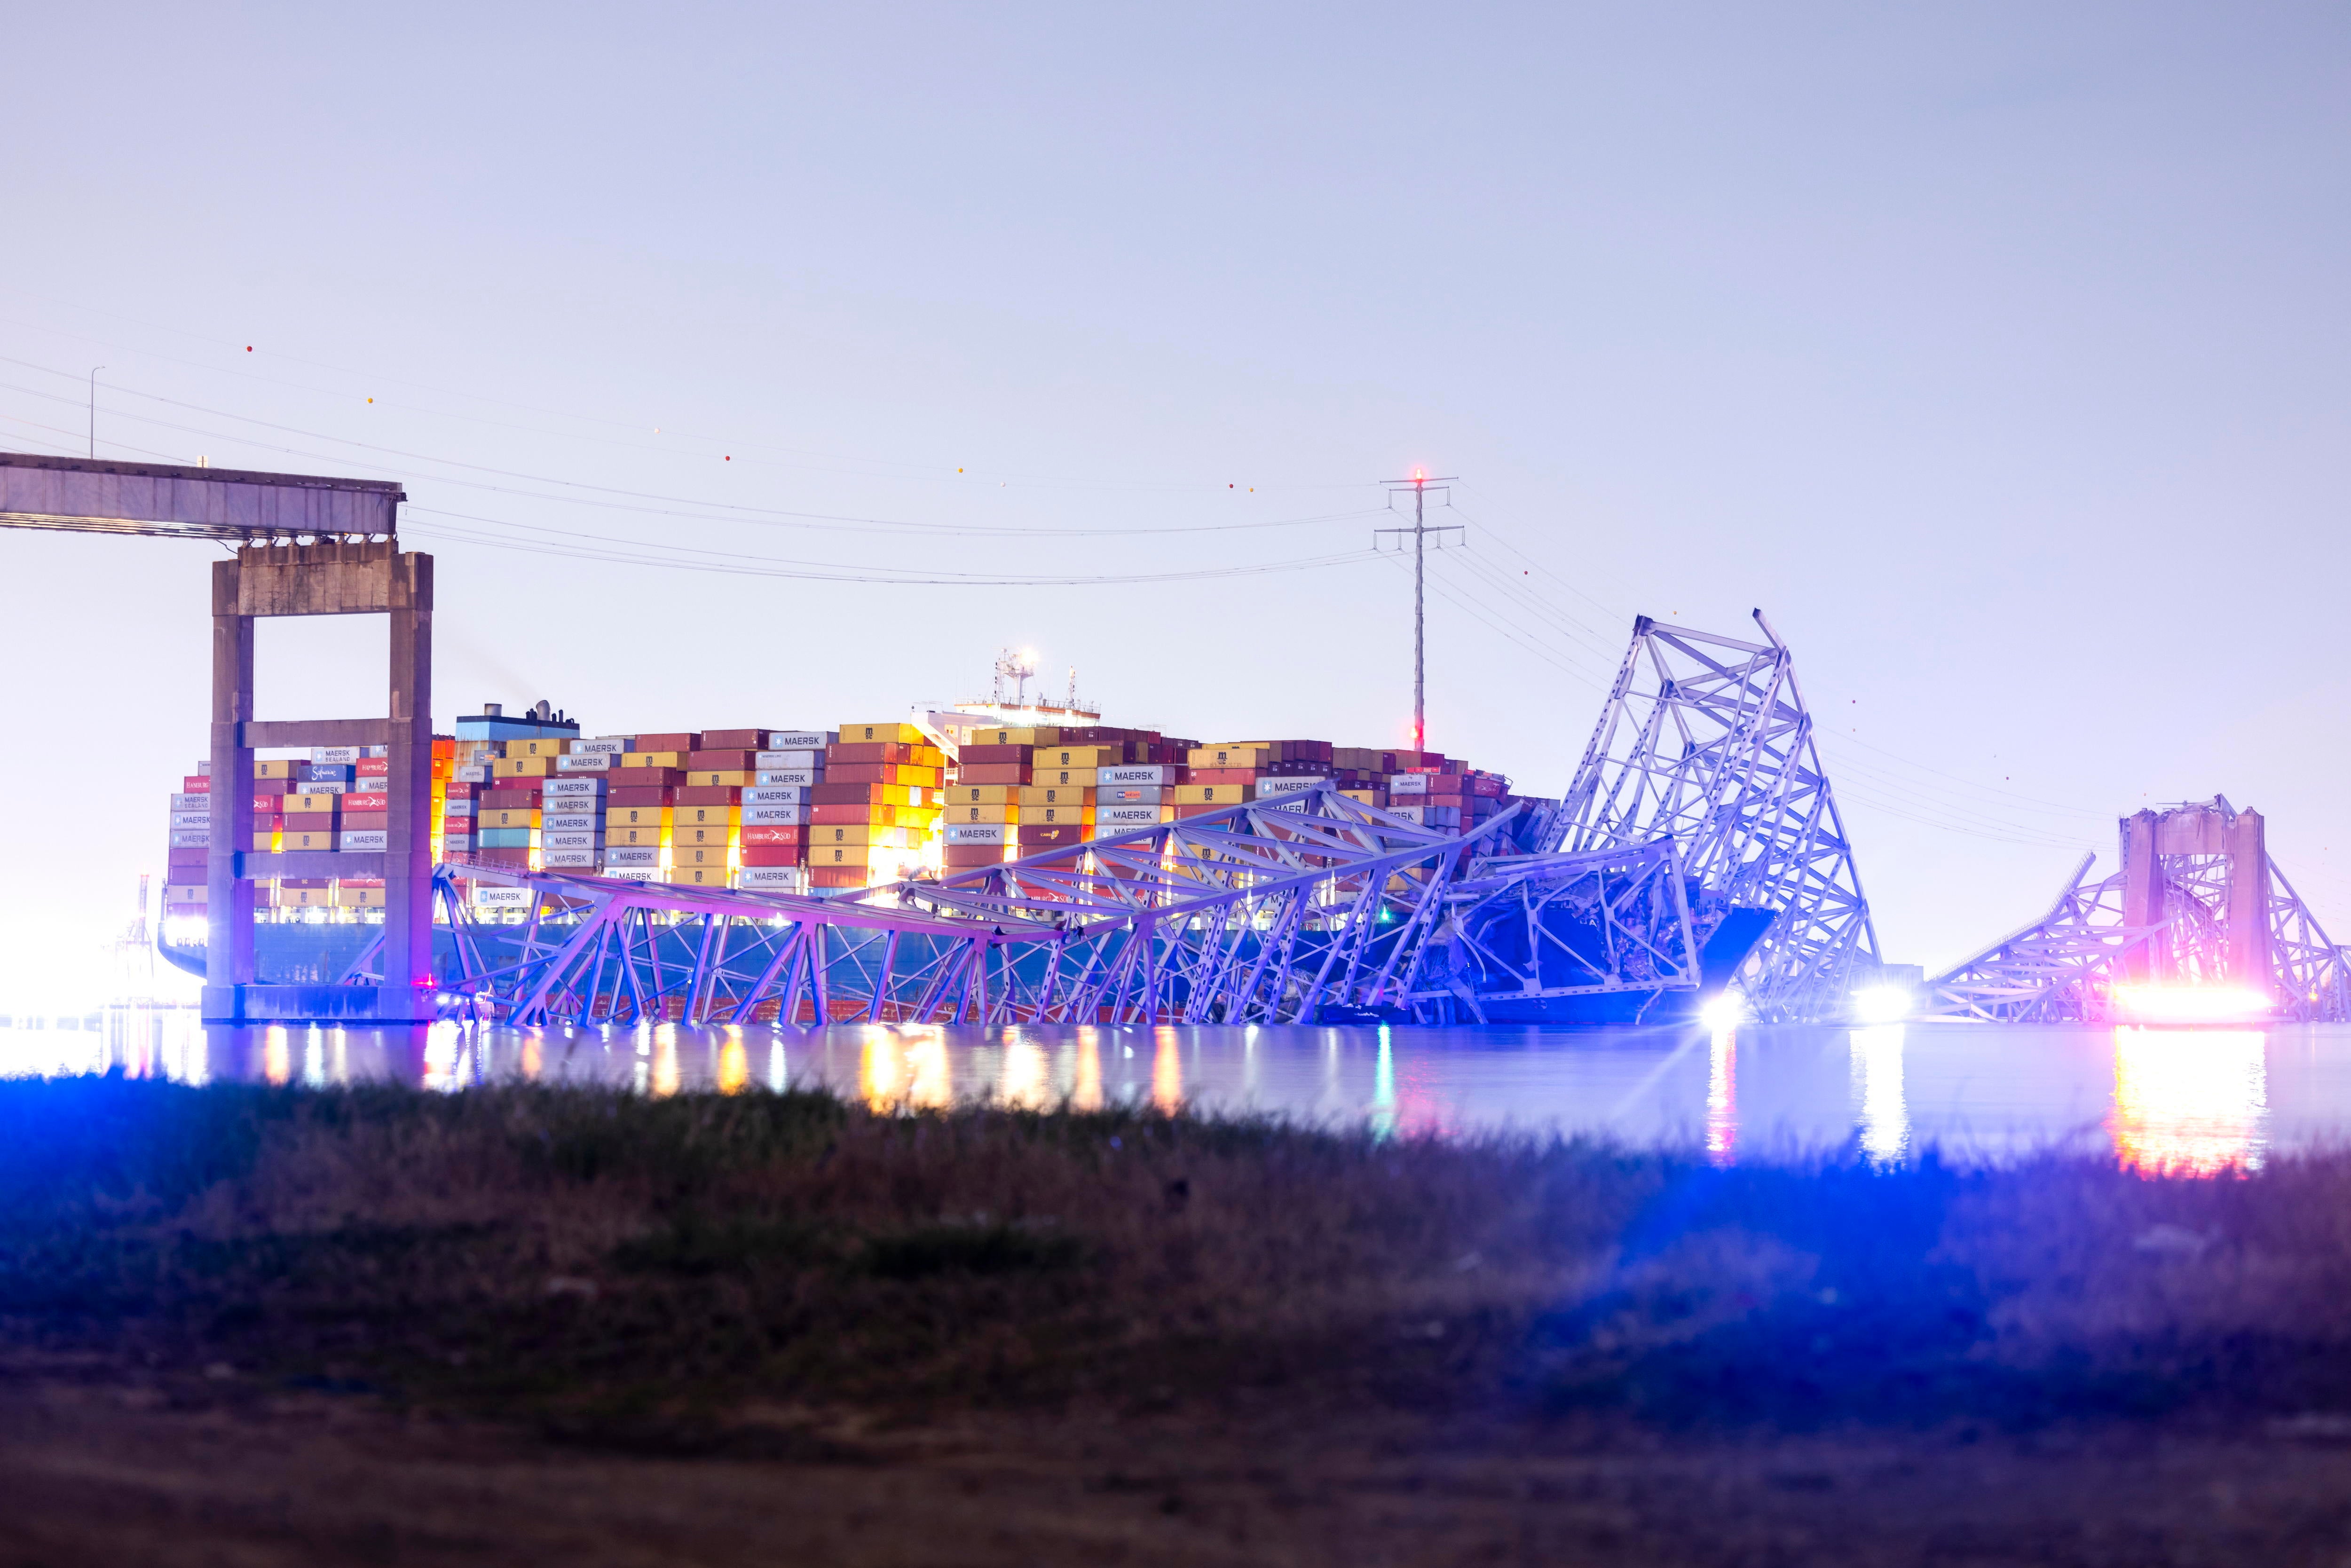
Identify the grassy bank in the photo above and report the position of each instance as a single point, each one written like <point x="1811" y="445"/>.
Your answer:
<point x="643" y="1272"/>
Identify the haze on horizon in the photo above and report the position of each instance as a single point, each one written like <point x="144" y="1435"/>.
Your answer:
<point x="2000" y="355"/>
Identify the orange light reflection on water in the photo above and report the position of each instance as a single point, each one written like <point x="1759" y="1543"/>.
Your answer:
<point x="904" y="1067"/>
<point x="1166" y="1072"/>
<point x="2189" y="1101"/>
<point x="1085" y="1081"/>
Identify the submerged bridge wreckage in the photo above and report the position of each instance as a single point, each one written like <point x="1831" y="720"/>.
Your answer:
<point x="1699" y="842"/>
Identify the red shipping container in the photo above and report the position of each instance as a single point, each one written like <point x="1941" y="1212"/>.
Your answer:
<point x="1184" y="811"/>
<point x="197" y="784"/>
<point x="831" y="794"/>
<point x="503" y="856"/>
<point x="992" y="773"/>
<point x="640" y="795"/>
<point x="768" y="834"/>
<point x="987" y="754"/>
<point x="709" y="794"/>
<point x="1039" y="836"/>
<point x="678" y="741"/>
<point x="456" y="790"/>
<point x="507" y="790"/>
<point x="373" y="767"/>
<point x="366" y="821"/>
<point x="304" y="881"/>
<point x="836" y="876"/>
<point x="640" y="778"/>
<point x="868" y="751"/>
<point x="459" y="826"/>
<point x="861" y="811"/>
<point x="960" y="856"/>
<point x="1220" y="776"/>
<point x="773" y="855"/>
<point x="736" y="739"/>
<point x="864" y="772"/>
<point x="274" y="786"/>
<point x="726" y="761"/>
<point x="367" y="802"/>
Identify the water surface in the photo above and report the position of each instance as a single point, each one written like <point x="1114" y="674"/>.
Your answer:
<point x="2197" y="1099"/>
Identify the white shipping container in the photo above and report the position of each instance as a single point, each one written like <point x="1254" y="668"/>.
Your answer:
<point x="457" y="843"/>
<point x="567" y="859"/>
<point x="777" y="816"/>
<point x="192" y="838"/>
<point x="468" y="807"/>
<point x="488" y="897"/>
<point x="191" y="802"/>
<point x="800" y="776"/>
<point x="570" y="838"/>
<point x="1129" y="817"/>
<point x="801" y="758"/>
<point x="633" y="872"/>
<point x="1285" y="785"/>
<point x="773" y="878"/>
<point x="571" y="822"/>
<point x="1150" y="773"/>
<point x="473" y="773"/>
<point x="1430" y="816"/>
<point x="775" y="795"/>
<point x="583" y="789"/>
<point x="802" y="739"/>
<point x="335" y="754"/>
<point x="191" y="819"/>
<point x="1408" y="784"/>
<point x="979" y="832"/>
<point x="364" y="841"/>
<point x="633" y="854"/>
<point x="602" y="746"/>
<point x="584" y="762"/>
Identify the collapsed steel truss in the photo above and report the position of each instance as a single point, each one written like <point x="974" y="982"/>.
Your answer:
<point x="1705" y="744"/>
<point x="2062" y="968"/>
<point x="1269" y="912"/>
<point x="1529" y="930"/>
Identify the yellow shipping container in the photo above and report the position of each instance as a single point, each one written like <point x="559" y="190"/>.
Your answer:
<point x="1368" y="797"/>
<point x="275" y="769"/>
<point x="1209" y="794"/>
<point x="983" y="794"/>
<point x="684" y="817"/>
<point x="918" y="776"/>
<point x="636" y="817"/>
<point x="711" y="833"/>
<point x="703" y="875"/>
<point x="291" y="840"/>
<point x="523" y="766"/>
<point x="1077" y="757"/>
<point x="1083" y="778"/>
<point x="1251" y="757"/>
<point x="901" y="734"/>
<point x="1056" y="795"/>
<point x="507" y="817"/>
<point x="987" y="811"/>
<point x="720" y="777"/>
<point x="856" y="856"/>
<point x="308" y="803"/>
<point x="685" y="857"/>
<point x="1056" y="816"/>
<point x="358" y="897"/>
<point x="637" y="837"/>
<point x="264" y="843"/>
<point x="653" y="759"/>
<point x="539" y="746"/>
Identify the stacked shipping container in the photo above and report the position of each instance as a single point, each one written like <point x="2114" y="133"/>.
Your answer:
<point x="790" y="809"/>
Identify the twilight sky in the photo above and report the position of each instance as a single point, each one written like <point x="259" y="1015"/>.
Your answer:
<point x="2000" y="355"/>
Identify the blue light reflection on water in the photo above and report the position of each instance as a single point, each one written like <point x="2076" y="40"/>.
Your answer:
<point x="2183" y="1099"/>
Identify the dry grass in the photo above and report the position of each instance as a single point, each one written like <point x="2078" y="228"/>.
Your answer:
<point x="640" y="1270"/>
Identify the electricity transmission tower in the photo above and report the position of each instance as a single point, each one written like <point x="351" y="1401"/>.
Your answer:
<point x="1420" y="530"/>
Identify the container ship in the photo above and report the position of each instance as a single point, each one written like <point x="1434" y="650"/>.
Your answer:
<point x="798" y="810"/>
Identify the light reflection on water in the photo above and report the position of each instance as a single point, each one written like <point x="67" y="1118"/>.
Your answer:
<point x="2190" y="1100"/>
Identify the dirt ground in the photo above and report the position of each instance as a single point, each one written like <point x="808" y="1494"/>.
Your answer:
<point x="101" y="1469"/>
